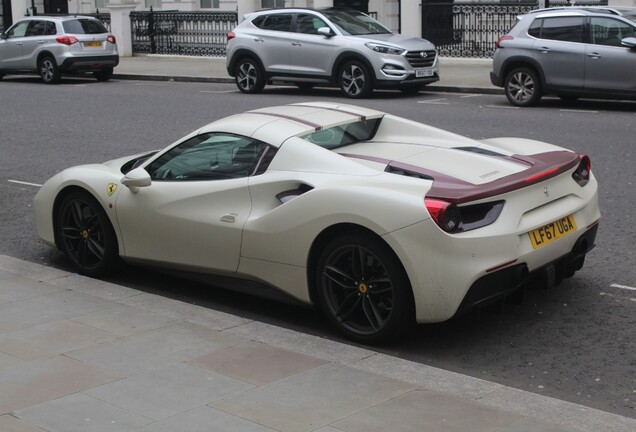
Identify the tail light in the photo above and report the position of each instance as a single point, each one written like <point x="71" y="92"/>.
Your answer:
<point x="67" y="40"/>
<point x="582" y="173"/>
<point x="501" y="39"/>
<point x="231" y="35"/>
<point x="111" y="39"/>
<point x="454" y="219"/>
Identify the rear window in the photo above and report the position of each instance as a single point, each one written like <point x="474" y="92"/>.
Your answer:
<point x="343" y="135"/>
<point x="84" y="26"/>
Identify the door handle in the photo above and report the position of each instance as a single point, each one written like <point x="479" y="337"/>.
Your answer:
<point x="297" y="44"/>
<point x="595" y="55"/>
<point x="230" y="217"/>
<point x="544" y="50"/>
<point x="259" y="40"/>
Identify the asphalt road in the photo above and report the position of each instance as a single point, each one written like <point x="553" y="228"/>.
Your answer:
<point x="575" y="342"/>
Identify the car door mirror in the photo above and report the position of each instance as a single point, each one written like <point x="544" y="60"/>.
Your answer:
<point x="136" y="179"/>
<point x="3" y="36"/>
<point x="629" y="42"/>
<point x="325" y="31"/>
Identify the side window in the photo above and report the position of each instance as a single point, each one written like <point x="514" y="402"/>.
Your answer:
<point x="36" y="28"/>
<point x="19" y="30"/>
<point x="608" y="31"/>
<point x="50" y="29"/>
<point x="210" y="156"/>
<point x="309" y="24"/>
<point x="277" y="22"/>
<point x="535" y="28"/>
<point x="567" y="29"/>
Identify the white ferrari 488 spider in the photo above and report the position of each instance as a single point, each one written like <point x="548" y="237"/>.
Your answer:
<point x="379" y="220"/>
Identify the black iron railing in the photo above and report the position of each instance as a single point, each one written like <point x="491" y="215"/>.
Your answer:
<point x="181" y="33"/>
<point x="471" y="28"/>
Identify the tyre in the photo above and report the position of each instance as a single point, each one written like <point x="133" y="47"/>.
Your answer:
<point x="249" y="77"/>
<point x="355" y="80"/>
<point x="522" y="87"/>
<point x="104" y="74"/>
<point x="85" y="235"/>
<point x="49" y="72"/>
<point x="363" y="289"/>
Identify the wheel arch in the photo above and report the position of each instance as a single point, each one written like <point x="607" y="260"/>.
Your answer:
<point x="240" y="55"/>
<point x="43" y="54"/>
<point x="515" y="62"/>
<point x="347" y="56"/>
<point x="331" y="232"/>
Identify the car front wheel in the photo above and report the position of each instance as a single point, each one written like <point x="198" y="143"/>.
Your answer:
<point x="49" y="72"/>
<point x="85" y="235"/>
<point x="249" y="77"/>
<point x="355" y="80"/>
<point x="522" y="87"/>
<point x="363" y="289"/>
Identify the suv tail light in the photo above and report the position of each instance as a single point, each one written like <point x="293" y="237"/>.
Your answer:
<point x="67" y="40"/>
<point x="501" y="39"/>
<point x="453" y="219"/>
<point x="111" y="39"/>
<point x="582" y="173"/>
<point x="231" y="35"/>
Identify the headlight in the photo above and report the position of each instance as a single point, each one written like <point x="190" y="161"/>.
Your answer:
<point x="385" y="49"/>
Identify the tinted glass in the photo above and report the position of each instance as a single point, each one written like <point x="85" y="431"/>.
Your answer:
<point x="609" y="31"/>
<point x="277" y="22"/>
<point x="210" y="156"/>
<point x="309" y="24"/>
<point x="36" y="28"/>
<point x="567" y="29"/>
<point x="349" y="133"/>
<point x="50" y="28"/>
<point x="354" y="23"/>
<point x="84" y="26"/>
<point x="535" y="28"/>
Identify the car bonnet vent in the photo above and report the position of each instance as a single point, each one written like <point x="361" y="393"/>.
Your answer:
<point x="480" y="151"/>
<point x="404" y="172"/>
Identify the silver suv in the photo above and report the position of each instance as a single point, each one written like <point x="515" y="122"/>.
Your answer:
<point x="51" y="46"/>
<point x="570" y="52"/>
<point x="329" y="46"/>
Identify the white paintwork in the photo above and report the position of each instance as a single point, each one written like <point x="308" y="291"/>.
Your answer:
<point x="239" y="227"/>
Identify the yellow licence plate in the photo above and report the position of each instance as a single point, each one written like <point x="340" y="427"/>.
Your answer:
<point x="93" y="44"/>
<point x="552" y="231"/>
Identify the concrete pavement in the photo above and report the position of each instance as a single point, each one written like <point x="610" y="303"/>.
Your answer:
<point x="457" y="74"/>
<point x="82" y="355"/>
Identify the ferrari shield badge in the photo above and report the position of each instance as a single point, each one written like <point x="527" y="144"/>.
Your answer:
<point x="111" y="188"/>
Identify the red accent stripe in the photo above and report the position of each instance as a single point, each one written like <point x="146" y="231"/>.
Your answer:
<point x="547" y="173"/>
<point x="315" y="126"/>
<point x="500" y="266"/>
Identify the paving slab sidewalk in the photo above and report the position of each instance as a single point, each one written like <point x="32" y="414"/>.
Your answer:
<point x="79" y="354"/>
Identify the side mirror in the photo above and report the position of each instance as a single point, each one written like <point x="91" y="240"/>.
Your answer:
<point x="326" y="32"/>
<point x="629" y="42"/>
<point x="3" y="36"/>
<point x="136" y="179"/>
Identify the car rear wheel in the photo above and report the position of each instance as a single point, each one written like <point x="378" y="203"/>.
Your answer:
<point x="85" y="235"/>
<point x="355" y="80"/>
<point x="363" y="289"/>
<point x="104" y="74"/>
<point x="249" y="77"/>
<point x="522" y="87"/>
<point x="49" y="72"/>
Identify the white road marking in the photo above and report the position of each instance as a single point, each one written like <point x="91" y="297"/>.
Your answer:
<point x="469" y="96"/>
<point x="434" y="102"/>
<point x="625" y="287"/>
<point x="502" y="106"/>
<point x="24" y="183"/>
<point x="579" y="111"/>
<point x="218" y="91"/>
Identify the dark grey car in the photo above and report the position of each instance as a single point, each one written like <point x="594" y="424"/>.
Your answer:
<point x="570" y="52"/>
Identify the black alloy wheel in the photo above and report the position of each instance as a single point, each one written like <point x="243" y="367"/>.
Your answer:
<point x="85" y="235"/>
<point x="522" y="87"/>
<point x="249" y="77"/>
<point x="104" y="74"/>
<point x="363" y="289"/>
<point x="355" y="80"/>
<point x="49" y="72"/>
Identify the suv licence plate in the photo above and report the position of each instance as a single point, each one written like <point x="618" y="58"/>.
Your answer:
<point x="420" y="73"/>
<point x="92" y="44"/>
<point x="552" y="231"/>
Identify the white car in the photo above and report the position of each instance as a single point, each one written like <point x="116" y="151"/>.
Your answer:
<point x="380" y="220"/>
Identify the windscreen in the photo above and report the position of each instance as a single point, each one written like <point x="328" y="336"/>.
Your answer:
<point x="354" y="23"/>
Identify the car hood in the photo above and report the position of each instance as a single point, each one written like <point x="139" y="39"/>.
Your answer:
<point x="408" y="43"/>
<point x="466" y="164"/>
